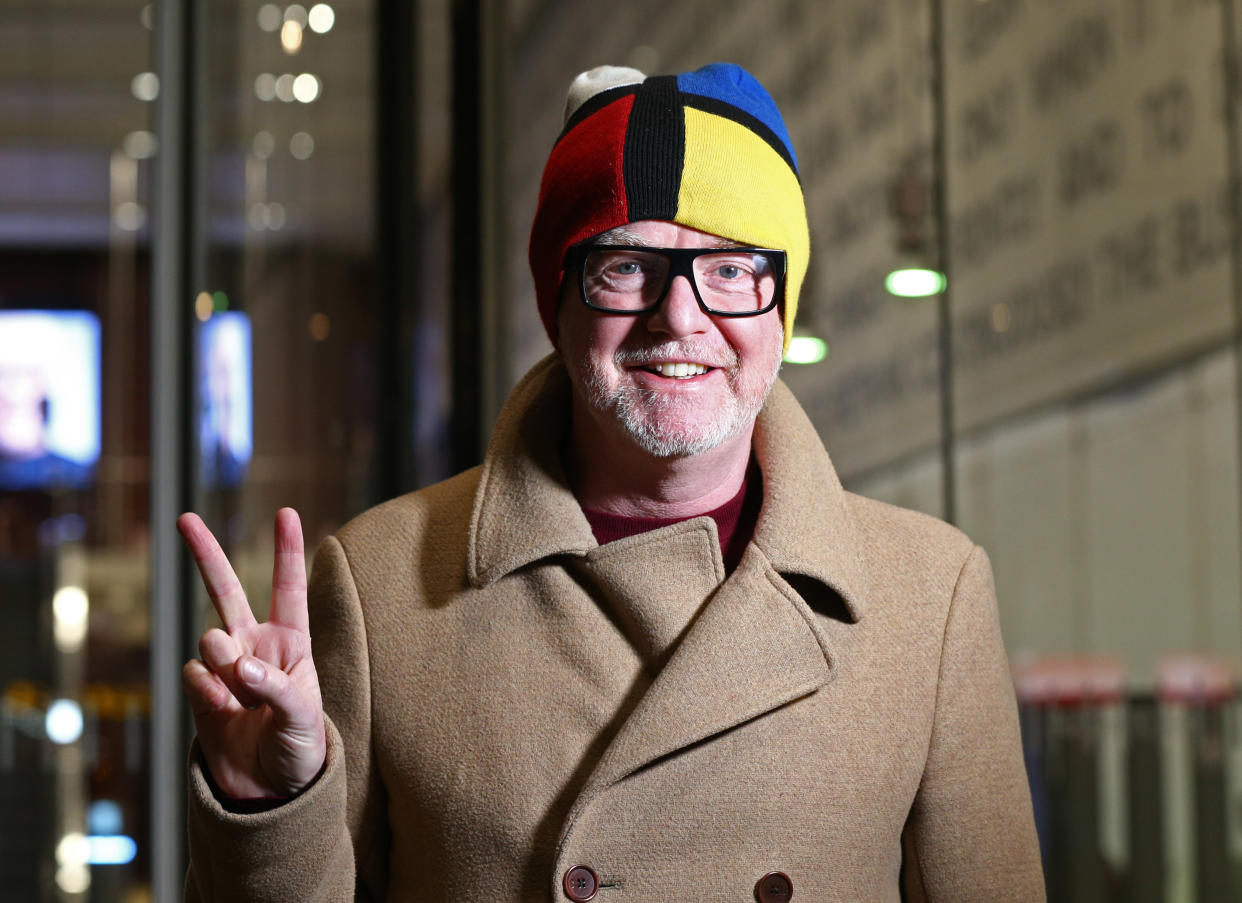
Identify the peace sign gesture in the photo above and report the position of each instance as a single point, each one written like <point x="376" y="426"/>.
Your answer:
<point x="255" y="694"/>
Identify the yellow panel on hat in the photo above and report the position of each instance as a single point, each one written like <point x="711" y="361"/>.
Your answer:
<point x="734" y="184"/>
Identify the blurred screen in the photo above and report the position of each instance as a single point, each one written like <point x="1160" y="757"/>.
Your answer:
<point x="49" y="398"/>
<point x="225" y="427"/>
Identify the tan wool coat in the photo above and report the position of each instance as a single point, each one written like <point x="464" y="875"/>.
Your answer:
<point x="508" y="700"/>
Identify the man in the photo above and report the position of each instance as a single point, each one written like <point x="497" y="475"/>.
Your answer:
<point x="650" y="649"/>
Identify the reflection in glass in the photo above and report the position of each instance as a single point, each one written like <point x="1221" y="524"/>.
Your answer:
<point x="49" y="399"/>
<point x="225" y="435"/>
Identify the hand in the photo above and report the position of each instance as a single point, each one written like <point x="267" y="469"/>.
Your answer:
<point x="255" y="694"/>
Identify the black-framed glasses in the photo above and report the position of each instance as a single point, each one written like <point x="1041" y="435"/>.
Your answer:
<point x="635" y="279"/>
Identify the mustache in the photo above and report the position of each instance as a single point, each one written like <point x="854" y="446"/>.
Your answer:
<point x="705" y="353"/>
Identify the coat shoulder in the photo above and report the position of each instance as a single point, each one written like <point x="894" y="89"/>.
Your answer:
<point x="441" y="503"/>
<point x="908" y="549"/>
<point x="414" y="545"/>
<point x="886" y="523"/>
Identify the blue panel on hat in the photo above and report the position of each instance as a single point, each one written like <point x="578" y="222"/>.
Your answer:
<point x="730" y="83"/>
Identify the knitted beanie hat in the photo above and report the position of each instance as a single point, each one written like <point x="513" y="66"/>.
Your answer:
<point x="705" y="149"/>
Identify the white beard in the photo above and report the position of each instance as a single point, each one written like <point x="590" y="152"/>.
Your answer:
<point x="653" y="419"/>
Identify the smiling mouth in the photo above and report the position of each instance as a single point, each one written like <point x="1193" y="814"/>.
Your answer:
<point x="678" y="370"/>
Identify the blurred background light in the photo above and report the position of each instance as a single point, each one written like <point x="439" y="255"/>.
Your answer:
<point x="141" y="145"/>
<point x="110" y="849"/>
<point x="71" y="615"/>
<point x="145" y="86"/>
<point x="73" y="876"/>
<point x="321" y="18"/>
<point x="202" y="306"/>
<point x="806" y="349"/>
<point x="291" y="37"/>
<point x="301" y="145"/>
<point x="263" y="144"/>
<point x="72" y="849"/>
<point x="306" y="87"/>
<point x="296" y="13"/>
<point x="129" y="216"/>
<point x="914" y="282"/>
<point x="320" y="326"/>
<point x="265" y="86"/>
<point x="284" y="88"/>
<point x="104" y="817"/>
<point x="270" y="17"/>
<point x="73" y="879"/>
<point x="63" y="721"/>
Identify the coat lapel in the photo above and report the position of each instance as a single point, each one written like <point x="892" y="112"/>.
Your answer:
<point x="754" y="647"/>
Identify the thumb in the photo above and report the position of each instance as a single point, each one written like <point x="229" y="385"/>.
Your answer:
<point x="273" y="687"/>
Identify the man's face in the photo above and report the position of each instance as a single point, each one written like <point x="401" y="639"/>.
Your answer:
<point x="614" y="360"/>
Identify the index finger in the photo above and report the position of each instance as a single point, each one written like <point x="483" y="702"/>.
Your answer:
<point x="289" y="573"/>
<point x="222" y="584"/>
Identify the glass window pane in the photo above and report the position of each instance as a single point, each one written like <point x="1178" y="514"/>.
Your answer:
<point x="76" y="155"/>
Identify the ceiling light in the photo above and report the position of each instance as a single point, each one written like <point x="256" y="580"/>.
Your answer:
<point x="915" y="282"/>
<point x="805" y="349"/>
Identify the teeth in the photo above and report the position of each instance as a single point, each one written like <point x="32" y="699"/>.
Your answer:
<point x="679" y="370"/>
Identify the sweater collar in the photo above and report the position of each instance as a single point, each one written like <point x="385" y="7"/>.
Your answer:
<point x="524" y="510"/>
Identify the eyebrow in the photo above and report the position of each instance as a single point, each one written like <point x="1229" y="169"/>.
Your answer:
<point x="623" y="236"/>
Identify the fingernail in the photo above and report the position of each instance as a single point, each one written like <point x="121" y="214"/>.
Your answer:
<point x="251" y="671"/>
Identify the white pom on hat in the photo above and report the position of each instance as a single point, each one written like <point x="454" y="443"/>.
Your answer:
<point x="593" y="81"/>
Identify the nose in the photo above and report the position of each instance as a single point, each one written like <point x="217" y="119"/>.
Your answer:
<point x="680" y="313"/>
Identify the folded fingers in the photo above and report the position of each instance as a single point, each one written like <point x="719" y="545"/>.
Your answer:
<point x="220" y="653"/>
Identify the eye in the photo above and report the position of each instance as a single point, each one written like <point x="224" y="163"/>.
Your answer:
<point x="729" y="271"/>
<point x="628" y="268"/>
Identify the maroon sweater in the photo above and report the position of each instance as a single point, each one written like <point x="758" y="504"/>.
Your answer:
<point x="735" y="520"/>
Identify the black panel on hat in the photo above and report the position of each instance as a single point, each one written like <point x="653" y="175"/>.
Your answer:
<point x="655" y="148"/>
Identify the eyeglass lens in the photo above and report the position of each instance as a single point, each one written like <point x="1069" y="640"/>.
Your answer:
<point x="728" y="281"/>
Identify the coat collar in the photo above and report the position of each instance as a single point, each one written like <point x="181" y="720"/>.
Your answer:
<point x="524" y="510"/>
<point x="805" y="526"/>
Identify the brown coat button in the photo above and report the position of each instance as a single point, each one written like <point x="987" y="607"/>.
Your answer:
<point x="581" y="884"/>
<point x="774" y="887"/>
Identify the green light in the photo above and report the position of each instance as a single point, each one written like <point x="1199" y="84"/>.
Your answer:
<point x="914" y="283"/>
<point x="805" y="349"/>
<point x="219" y="302"/>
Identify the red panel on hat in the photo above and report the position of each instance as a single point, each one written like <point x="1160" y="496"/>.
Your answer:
<point x="582" y="194"/>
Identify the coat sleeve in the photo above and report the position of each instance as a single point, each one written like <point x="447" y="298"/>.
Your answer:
<point x="329" y="844"/>
<point x="971" y="832"/>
